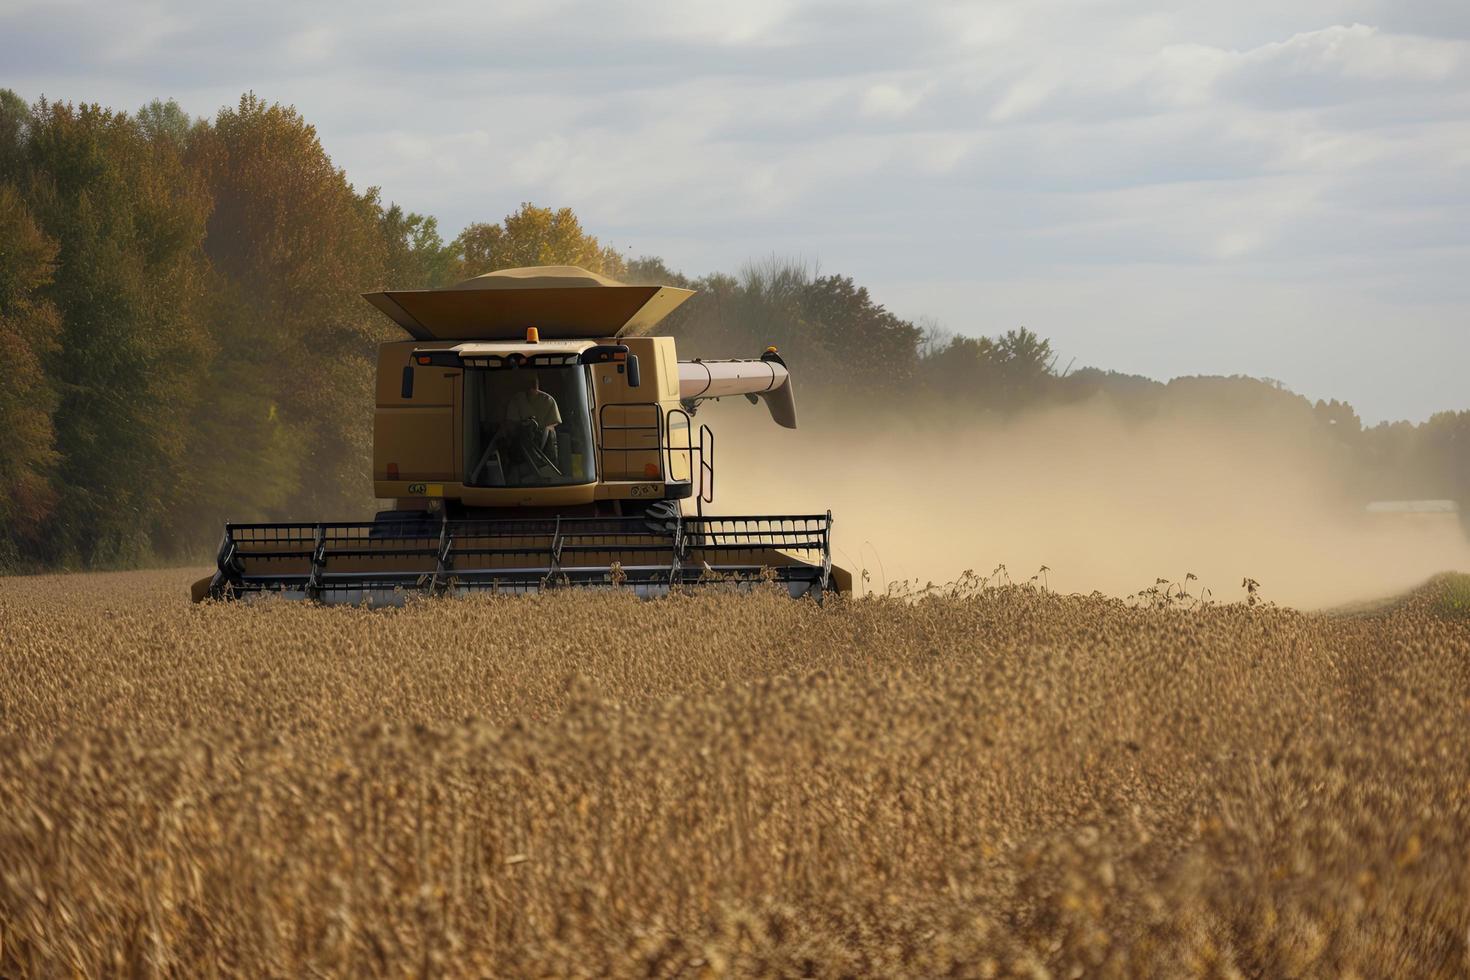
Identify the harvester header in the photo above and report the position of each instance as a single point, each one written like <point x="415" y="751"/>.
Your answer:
<point x="530" y="433"/>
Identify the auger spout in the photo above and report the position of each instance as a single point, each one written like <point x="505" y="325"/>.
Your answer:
<point x="765" y="378"/>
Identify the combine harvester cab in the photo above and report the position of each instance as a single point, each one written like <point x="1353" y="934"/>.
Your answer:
<point x="529" y="436"/>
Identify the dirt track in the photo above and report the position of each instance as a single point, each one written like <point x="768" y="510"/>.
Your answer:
<point x="1007" y="782"/>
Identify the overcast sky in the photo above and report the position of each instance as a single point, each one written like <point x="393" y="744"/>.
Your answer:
<point x="1265" y="188"/>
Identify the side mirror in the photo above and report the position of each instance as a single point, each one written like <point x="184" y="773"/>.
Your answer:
<point x="633" y="379"/>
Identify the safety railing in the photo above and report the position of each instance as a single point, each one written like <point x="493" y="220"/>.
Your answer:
<point x="669" y="459"/>
<point x="646" y="431"/>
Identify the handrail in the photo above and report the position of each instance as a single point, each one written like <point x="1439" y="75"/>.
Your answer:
<point x="688" y="446"/>
<point x="656" y="427"/>
<point x="706" y="465"/>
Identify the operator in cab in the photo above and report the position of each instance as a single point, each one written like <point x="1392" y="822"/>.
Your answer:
<point x="530" y="402"/>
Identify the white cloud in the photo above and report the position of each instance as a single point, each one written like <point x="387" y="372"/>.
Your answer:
<point x="311" y="46"/>
<point x="889" y="101"/>
<point x="1023" y="96"/>
<point x="1290" y="148"/>
<point x="1360" y="51"/>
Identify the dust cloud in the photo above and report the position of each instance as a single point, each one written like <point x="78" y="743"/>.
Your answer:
<point x="1105" y="503"/>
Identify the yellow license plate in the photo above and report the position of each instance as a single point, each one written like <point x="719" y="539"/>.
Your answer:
<point x="426" y="489"/>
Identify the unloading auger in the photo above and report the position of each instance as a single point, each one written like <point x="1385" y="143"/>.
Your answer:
<point x="530" y="436"/>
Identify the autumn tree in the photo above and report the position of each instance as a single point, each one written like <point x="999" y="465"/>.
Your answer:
<point x="533" y="236"/>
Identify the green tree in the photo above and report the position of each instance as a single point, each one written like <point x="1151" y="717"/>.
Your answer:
<point x="1008" y="373"/>
<point x="295" y="246"/>
<point x="415" y="256"/>
<point x="1445" y="450"/>
<point x="533" y="236"/>
<point x="964" y="368"/>
<point x="873" y="348"/>
<point x="844" y="342"/>
<point x="28" y="336"/>
<point x="127" y="216"/>
<point x="15" y="121"/>
<point x="166" y="122"/>
<point x="650" y="270"/>
<point x="763" y="306"/>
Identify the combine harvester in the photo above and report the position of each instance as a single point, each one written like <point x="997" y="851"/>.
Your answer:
<point x="531" y="436"/>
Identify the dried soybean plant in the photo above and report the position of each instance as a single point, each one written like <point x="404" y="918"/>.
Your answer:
<point x="984" y="779"/>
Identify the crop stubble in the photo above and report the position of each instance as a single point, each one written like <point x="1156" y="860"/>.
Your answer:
<point x="995" y="783"/>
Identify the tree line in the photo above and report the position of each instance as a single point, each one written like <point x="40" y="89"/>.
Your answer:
<point x="184" y="341"/>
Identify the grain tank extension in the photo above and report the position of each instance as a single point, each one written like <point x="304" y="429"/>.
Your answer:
<point x="529" y="434"/>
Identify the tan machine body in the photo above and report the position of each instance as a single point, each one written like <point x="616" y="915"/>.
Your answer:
<point x="459" y="458"/>
<point x="419" y="439"/>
